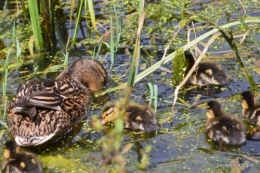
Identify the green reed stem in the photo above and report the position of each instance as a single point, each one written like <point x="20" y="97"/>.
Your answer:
<point x="74" y="39"/>
<point x="112" y="44"/>
<point x="91" y="12"/>
<point x="136" y="54"/>
<point x="35" y="22"/>
<point x="118" y="27"/>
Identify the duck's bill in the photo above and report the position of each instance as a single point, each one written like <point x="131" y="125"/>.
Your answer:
<point x="103" y="122"/>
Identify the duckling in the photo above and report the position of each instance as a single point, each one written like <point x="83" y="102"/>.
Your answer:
<point x="222" y="127"/>
<point x="44" y="110"/>
<point x="206" y="73"/>
<point x="251" y="108"/>
<point x="139" y="117"/>
<point x="16" y="162"/>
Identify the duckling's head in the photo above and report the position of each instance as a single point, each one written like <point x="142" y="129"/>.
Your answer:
<point x="89" y="72"/>
<point x="189" y="58"/>
<point x="10" y="150"/>
<point x="248" y="99"/>
<point x="214" y="109"/>
<point x="110" y="112"/>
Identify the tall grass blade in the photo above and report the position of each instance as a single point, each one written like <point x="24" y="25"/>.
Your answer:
<point x="153" y="95"/>
<point x="74" y="39"/>
<point x="136" y="54"/>
<point x="35" y="22"/>
<point x="118" y="26"/>
<point x="92" y="13"/>
<point x="150" y="87"/>
<point x="112" y="44"/>
<point x="4" y="85"/>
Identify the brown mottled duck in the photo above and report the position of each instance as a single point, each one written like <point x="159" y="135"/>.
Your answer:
<point x="44" y="110"/>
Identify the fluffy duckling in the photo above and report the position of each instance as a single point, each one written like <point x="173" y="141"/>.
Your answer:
<point x="44" y="110"/>
<point x="16" y="162"/>
<point x="139" y="117"/>
<point x="222" y="127"/>
<point x="251" y="108"/>
<point x="206" y="73"/>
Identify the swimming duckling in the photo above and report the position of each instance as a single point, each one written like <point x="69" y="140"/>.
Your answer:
<point x="44" y="110"/>
<point x="251" y="107"/>
<point x="16" y="162"/>
<point x="222" y="127"/>
<point x="206" y="73"/>
<point x="139" y="117"/>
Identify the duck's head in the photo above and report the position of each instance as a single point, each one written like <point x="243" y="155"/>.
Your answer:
<point x="248" y="99"/>
<point x="10" y="149"/>
<point x="89" y="72"/>
<point x="189" y="59"/>
<point x="214" y="109"/>
<point x="109" y="112"/>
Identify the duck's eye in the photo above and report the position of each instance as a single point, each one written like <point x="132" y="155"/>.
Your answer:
<point x="109" y="112"/>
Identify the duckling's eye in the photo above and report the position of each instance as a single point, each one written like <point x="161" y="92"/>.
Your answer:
<point x="109" y="111"/>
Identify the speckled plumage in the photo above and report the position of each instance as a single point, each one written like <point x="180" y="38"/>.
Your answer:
<point x="222" y="127"/>
<point x="139" y="117"/>
<point x="16" y="162"/>
<point x="206" y="73"/>
<point x="43" y="110"/>
<point x="251" y="108"/>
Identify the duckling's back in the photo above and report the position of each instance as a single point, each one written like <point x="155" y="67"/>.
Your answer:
<point x="142" y="117"/>
<point x="25" y="162"/>
<point x="206" y="73"/>
<point x="228" y="129"/>
<point x="213" y="74"/>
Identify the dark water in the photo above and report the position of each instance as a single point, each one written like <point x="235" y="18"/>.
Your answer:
<point x="180" y="146"/>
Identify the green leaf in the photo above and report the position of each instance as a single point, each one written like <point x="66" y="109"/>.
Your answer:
<point x="179" y="67"/>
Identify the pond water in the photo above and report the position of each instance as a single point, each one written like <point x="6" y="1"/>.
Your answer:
<point x="180" y="145"/>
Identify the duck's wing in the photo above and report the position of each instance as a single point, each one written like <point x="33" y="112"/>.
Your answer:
<point x="40" y="99"/>
<point x="57" y="95"/>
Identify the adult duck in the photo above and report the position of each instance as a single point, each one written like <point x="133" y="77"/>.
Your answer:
<point x="44" y="110"/>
